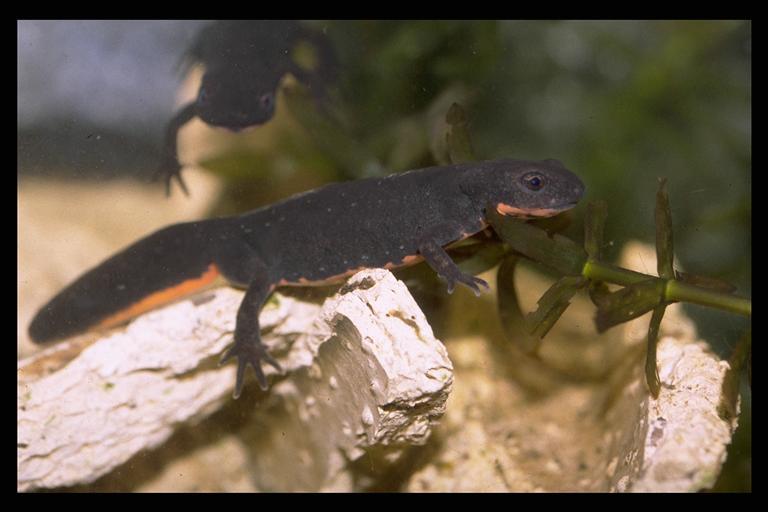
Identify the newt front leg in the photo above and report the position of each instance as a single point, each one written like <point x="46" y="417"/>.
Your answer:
<point x="439" y="260"/>
<point x="170" y="167"/>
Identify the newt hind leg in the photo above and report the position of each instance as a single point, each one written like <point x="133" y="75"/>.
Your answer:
<point x="248" y="347"/>
<point x="249" y="352"/>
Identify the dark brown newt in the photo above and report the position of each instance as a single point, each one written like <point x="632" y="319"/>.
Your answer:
<point x="315" y="237"/>
<point x="245" y="61"/>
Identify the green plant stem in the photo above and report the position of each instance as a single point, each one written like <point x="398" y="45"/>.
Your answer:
<point x="611" y="274"/>
<point x="675" y="291"/>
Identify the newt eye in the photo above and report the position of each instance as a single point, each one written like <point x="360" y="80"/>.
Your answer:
<point x="267" y="102"/>
<point x="534" y="181"/>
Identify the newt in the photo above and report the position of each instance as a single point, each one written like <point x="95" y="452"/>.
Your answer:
<point x="245" y="62"/>
<point x="313" y="238"/>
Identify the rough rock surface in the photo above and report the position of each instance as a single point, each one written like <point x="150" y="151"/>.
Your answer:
<point x="363" y="371"/>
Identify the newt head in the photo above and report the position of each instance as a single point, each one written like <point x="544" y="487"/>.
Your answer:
<point x="519" y="188"/>
<point x="228" y="100"/>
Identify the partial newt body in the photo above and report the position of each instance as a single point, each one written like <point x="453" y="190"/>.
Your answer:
<point x="245" y="61"/>
<point x="315" y="237"/>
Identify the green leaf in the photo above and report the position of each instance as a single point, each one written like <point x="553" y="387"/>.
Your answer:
<point x="651" y="369"/>
<point x="664" y="248"/>
<point x="513" y="321"/>
<point x="478" y="256"/>
<point x="556" y="252"/>
<point x="553" y="304"/>
<point x="741" y="356"/>
<point x="599" y="292"/>
<point x="437" y="125"/>
<point x="594" y="226"/>
<point x="556" y="224"/>
<point x="628" y="303"/>
<point x="458" y="142"/>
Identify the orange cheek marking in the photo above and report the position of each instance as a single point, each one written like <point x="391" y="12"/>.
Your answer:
<point x="162" y="297"/>
<point x="505" y="209"/>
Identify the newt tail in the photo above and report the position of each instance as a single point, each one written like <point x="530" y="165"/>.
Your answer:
<point x="142" y="277"/>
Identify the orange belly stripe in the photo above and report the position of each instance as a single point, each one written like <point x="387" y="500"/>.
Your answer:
<point x="161" y="297"/>
<point x="406" y="262"/>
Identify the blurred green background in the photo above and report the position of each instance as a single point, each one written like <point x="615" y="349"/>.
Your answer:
<point x="620" y="103"/>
